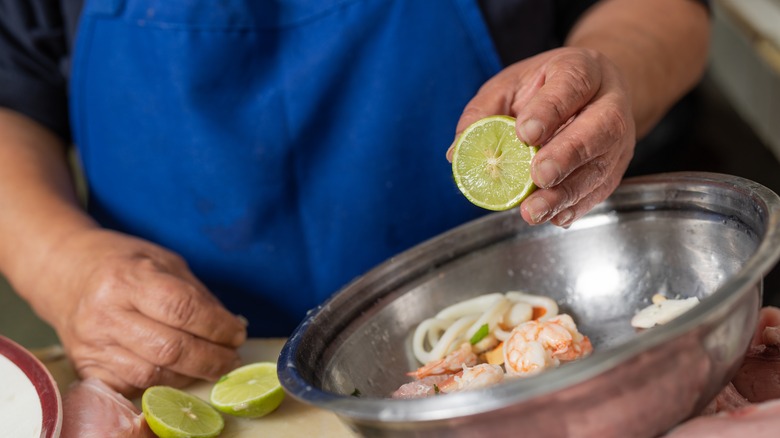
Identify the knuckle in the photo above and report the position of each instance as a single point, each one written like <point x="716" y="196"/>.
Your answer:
<point x="169" y="351"/>
<point x="568" y="195"/>
<point x="150" y="264"/>
<point x="579" y="81"/>
<point x="601" y="169"/>
<point x="556" y="107"/>
<point x="143" y="375"/>
<point x="176" y="261"/>
<point x="576" y="151"/>
<point x="180" y="307"/>
<point x="614" y="121"/>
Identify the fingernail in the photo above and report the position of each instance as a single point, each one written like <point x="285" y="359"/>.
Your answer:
<point x="239" y="338"/>
<point x="449" y="152"/>
<point x="564" y="218"/>
<point x="548" y="172"/>
<point x="242" y="319"/>
<point x="538" y="209"/>
<point x="531" y="131"/>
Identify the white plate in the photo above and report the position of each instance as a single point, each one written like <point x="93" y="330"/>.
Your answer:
<point x="30" y="403"/>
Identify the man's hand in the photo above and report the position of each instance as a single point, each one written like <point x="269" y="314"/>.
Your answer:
<point x="127" y="311"/>
<point x="132" y="314"/>
<point x="574" y="104"/>
<point x="625" y="64"/>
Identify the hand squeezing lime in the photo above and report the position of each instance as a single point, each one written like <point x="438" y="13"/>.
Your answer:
<point x="491" y="166"/>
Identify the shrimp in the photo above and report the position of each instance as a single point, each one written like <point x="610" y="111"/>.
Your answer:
<point x="537" y="345"/>
<point x="449" y="364"/>
<point x="476" y="377"/>
<point x="425" y="387"/>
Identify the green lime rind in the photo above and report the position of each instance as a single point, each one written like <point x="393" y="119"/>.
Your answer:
<point x="172" y="413"/>
<point x="491" y="166"/>
<point x="251" y="391"/>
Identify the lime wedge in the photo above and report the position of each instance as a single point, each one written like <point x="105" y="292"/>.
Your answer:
<point x="171" y="413"/>
<point x="250" y="391"/>
<point x="491" y="166"/>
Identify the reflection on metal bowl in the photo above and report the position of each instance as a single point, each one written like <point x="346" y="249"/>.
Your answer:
<point x="686" y="234"/>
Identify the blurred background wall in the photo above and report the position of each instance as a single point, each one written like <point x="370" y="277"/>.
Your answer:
<point x="730" y="123"/>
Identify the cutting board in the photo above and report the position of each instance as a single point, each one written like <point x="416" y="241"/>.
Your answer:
<point x="291" y="419"/>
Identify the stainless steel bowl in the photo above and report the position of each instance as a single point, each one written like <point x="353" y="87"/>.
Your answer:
<point x="689" y="234"/>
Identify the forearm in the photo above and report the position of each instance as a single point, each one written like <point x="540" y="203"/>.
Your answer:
<point x="660" y="46"/>
<point x="40" y="207"/>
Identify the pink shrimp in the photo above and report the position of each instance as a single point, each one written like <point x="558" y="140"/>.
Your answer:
<point x="425" y="387"/>
<point x="476" y="377"/>
<point x="535" y="345"/>
<point x="449" y="364"/>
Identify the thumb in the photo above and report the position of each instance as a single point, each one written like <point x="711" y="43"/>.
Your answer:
<point x="486" y="103"/>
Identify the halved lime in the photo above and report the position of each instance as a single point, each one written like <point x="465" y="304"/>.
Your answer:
<point x="249" y="391"/>
<point x="491" y="166"/>
<point x="172" y="413"/>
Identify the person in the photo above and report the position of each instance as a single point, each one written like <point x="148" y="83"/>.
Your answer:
<point x="245" y="160"/>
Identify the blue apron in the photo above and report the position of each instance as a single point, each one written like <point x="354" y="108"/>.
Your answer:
<point x="281" y="147"/>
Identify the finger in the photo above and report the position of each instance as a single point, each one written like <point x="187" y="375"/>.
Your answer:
<point x="569" y="84"/>
<point x="591" y="134"/>
<point x="131" y="369"/>
<point x="484" y="104"/>
<point x="111" y="379"/>
<point x="496" y="96"/>
<point x="179" y="351"/>
<point x="598" y="178"/>
<point x="183" y="306"/>
<point x="566" y="217"/>
<point x="543" y="205"/>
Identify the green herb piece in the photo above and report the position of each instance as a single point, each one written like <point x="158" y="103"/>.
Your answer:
<point x="480" y="334"/>
<point x="436" y="388"/>
<point x="355" y="393"/>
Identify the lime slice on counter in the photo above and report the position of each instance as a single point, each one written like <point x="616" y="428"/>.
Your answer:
<point x="172" y="413"/>
<point x="249" y="391"/>
<point x="491" y="166"/>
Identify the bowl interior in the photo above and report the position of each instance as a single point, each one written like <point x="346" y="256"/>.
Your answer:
<point x="682" y="238"/>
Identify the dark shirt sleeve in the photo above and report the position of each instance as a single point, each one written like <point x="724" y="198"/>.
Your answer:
<point x="514" y="24"/>
<point x="34" y="46"/>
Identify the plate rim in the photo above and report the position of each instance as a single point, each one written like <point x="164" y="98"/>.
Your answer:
<point x="44" y="383"/>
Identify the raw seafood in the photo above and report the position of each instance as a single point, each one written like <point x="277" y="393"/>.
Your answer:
<point x="662" y="311"/>
<point x="436" y="337"/>
<point x="420" y="388"/>
<point x="514" y="334"/>
<point x="534" y="346"/>
<point x="750" y="405"/>
<point x="93" y="410"/>
<point x="754" y="421"/>
<point x="449" y="364"/>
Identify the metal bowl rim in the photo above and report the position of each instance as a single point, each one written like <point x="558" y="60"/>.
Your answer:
<point x="510" y="393"/>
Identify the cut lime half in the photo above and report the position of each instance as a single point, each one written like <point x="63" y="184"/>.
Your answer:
<point x="172" y="413"/>
<point x="491" y="166"/>
<point x="249" y="391"/>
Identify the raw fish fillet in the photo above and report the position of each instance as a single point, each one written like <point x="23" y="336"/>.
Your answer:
<point x="93" y="410"/>
<point x="728" y="400"/>
<point x="750" y="405"/>
<point x="761" y="420"/>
